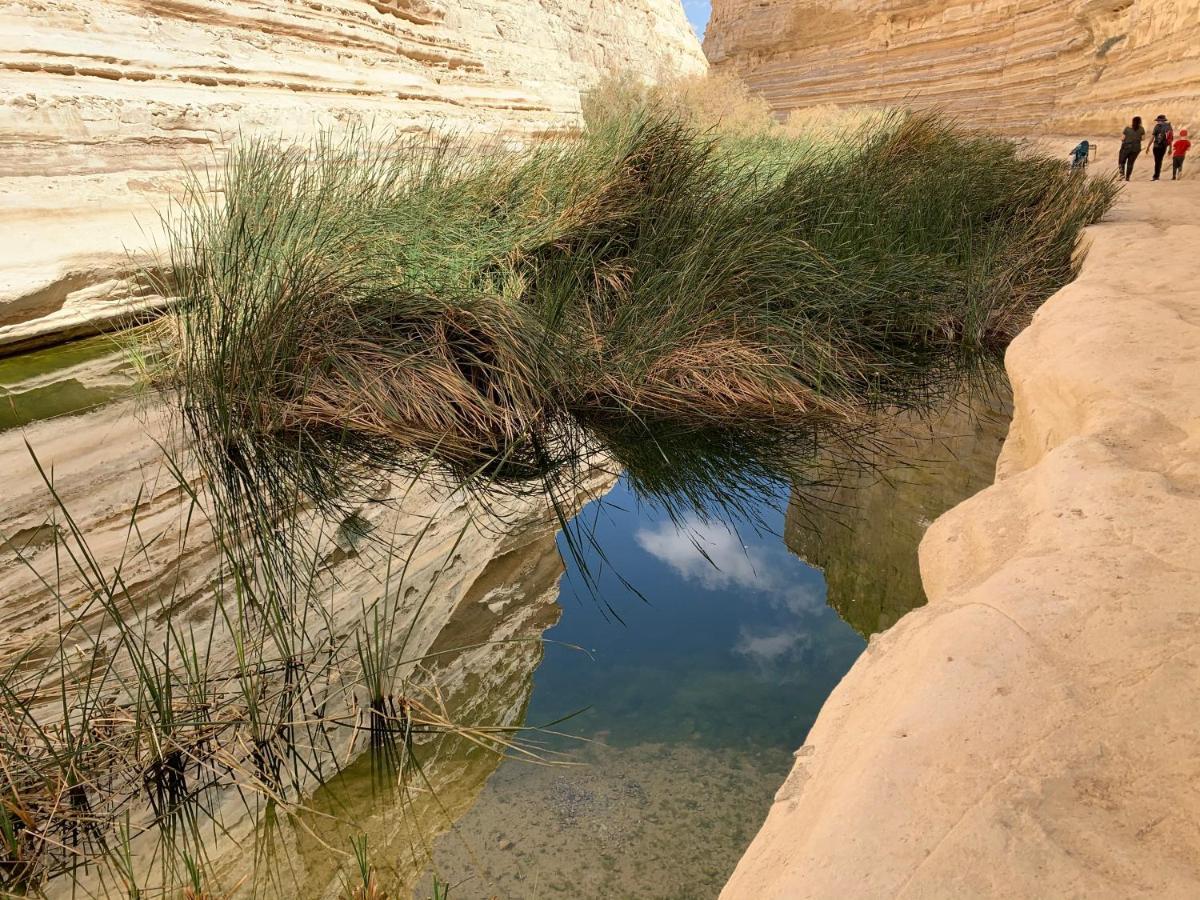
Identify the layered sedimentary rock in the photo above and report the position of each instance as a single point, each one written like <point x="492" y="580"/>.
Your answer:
<point x="1022" y="67"/>
<point x="104" y="105"/>
<point x="1031" y="732"/>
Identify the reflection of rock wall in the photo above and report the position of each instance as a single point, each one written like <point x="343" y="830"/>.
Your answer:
<point x="486" y="582"/>
<point x="486" y="654"/>
<point x="103" y="104"/>
<point x="1031" y="732"/>
<point x="106" y="463"/>
<point x="73" y="378"/>
<point x="1072" y="66"/>
<point x="864" y="533"/>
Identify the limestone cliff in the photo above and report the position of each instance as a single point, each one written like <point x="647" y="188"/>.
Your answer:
<point x="1070" y="66"/>
<point x="103" y="104"/>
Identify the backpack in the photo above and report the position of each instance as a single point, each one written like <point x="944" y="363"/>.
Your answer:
<point x="1162" y="135"/>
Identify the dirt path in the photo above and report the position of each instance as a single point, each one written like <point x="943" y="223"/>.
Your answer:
<point x="1035" y="730"/>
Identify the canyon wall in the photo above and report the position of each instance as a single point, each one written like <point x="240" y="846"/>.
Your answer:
<point x="1022" y="67"/>
<point x="1031" y="732"/>
<point x="103" y="105"/>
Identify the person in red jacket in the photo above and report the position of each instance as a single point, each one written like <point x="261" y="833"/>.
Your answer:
<point x="1182" y="146"/>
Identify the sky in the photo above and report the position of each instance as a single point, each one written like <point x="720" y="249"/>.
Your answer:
<point x="698" y="12"/>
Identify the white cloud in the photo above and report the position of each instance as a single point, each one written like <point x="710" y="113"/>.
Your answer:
<point x="777" y="654"/>
<point x="714" y="556"/>
<point x="768" y="648"/>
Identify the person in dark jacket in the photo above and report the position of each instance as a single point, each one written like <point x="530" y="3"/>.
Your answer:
<point x="1131" y="146"/>
<point x="1080" y="155"/>
<point x="1161" y="140"/>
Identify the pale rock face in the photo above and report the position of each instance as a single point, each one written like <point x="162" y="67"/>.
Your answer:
<point x="1032" y="731"/>
<point x="103" y="105"/>
<point x="476" y="599"/>
<point x="1020" y="67"/>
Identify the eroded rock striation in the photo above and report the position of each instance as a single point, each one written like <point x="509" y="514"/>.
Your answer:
<point x="1031" y="732"/>
<point x="104" y="105"/>
<point x="1020" y="67"/>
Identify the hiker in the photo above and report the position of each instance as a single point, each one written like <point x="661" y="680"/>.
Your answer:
<point x="1079" y="156"/>
<point x="1160" y="142"/>
<point x="1131" y="146"/>
<point x="1178" y="152"/>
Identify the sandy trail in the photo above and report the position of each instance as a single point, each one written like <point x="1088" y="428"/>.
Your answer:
<point x="1035" y="730"/>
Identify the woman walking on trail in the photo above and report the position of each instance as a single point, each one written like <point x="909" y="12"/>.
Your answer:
<point x="1131" y="146"/>
<point x="1160" y="142"/>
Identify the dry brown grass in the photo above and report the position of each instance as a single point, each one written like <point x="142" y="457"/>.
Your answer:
<point x="720" y="101"/>
<point x="716" y="101"/>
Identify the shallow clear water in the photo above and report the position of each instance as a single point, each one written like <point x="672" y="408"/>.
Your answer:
<point x="696" y="657"/>
<point x="723" y="653"/>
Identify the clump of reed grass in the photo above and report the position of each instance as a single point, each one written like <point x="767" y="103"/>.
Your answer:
<point x="723" y="102"/>
<point x="126" y="740"/>
<point x="647" y="290"/>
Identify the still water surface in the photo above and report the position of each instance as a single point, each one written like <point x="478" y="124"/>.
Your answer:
<point x="723" y="658"/>
<point x="694" y="702"/>
<point x="694" y="656"/>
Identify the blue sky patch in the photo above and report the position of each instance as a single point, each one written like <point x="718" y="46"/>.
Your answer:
<point x="698" y="12"/>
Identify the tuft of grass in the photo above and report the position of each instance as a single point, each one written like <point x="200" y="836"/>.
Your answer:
<point x="721" y="102"/>
<point x="129" y="738"/>
<point x="679" y="299"/>
<point x="713" y="101"/>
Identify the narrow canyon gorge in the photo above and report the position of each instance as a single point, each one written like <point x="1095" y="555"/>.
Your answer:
<point x="1030" y="731"/>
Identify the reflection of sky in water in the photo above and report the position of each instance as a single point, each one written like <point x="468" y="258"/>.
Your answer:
<point x="732" y="645"/>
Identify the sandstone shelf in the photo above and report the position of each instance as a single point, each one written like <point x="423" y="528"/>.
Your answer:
<point x="1032" y="732"/>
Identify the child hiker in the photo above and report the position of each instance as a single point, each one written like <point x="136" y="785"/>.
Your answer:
<point x="1079" y="156"/>
<point x="1182" y="145"/>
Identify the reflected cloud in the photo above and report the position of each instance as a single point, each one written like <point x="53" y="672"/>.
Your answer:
<point x="767" y="648"/>
<point x="714" y="556"/>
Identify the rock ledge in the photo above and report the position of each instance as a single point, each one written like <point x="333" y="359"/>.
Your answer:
<point x="1035" y="730"/>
